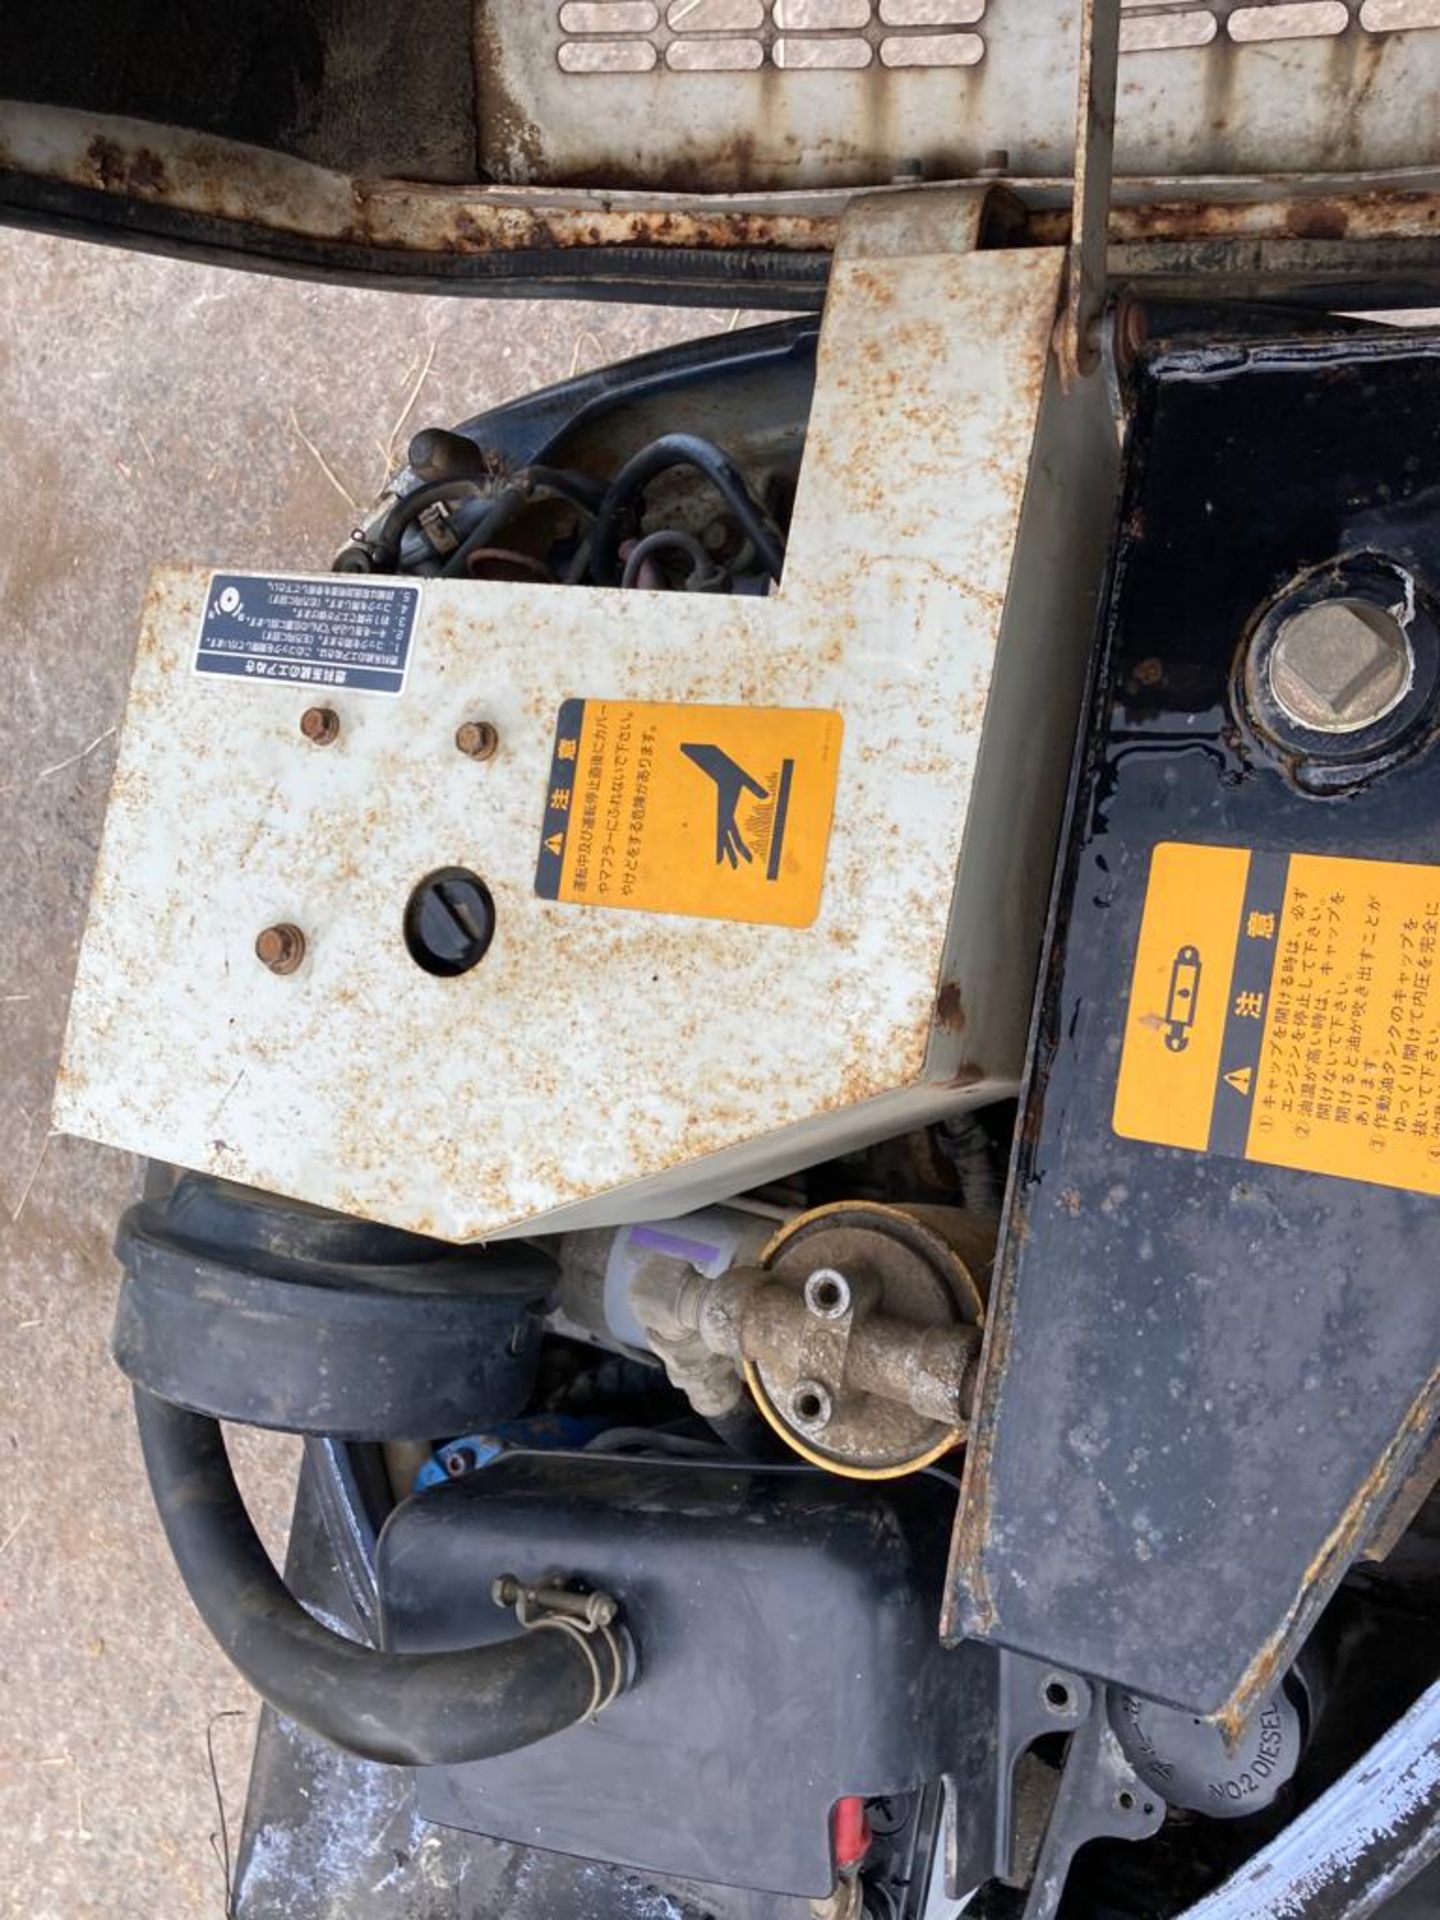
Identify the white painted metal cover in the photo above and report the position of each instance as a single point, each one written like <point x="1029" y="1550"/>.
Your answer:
<point x="598" y="1065"/>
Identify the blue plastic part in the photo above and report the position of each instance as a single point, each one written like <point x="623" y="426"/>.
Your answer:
<point x="540" y="1433"/>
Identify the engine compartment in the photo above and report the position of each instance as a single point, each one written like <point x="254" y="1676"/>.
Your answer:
<point x="669" y="1356"/>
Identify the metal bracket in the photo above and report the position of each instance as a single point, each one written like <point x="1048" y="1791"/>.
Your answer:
<point x="1101" y="1796"/>
<point x="990" y="1826"/>
<point x="1077" y="333"/>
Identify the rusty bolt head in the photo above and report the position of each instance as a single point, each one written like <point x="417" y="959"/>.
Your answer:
<point x="1340" y="665"/>
<point x="320" y="725"/>
<point x="281" y="948"/>
<point x="1131" y="331"/>
<point x="811" y="1407"/>
<point x="477" y="738"/>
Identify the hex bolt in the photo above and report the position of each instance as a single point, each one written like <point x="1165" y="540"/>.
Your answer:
<point x="827" y="1294"/>
<point x="811" y="1406"/>
<point x="593" y="1609"/>
<point x="281" y="948"/>
<point x="478" y="739"/>
<point x="320" y="725"/>
<point x="1340" y="665"/>
<point x="601" y="1610"/>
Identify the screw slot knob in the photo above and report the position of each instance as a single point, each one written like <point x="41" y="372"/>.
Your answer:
<point x="449" y="922"/>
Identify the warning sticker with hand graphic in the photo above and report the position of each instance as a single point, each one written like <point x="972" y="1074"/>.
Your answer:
<point x="665" y="807"/>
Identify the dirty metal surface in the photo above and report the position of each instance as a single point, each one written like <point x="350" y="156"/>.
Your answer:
<point x="1077" y="339"/>
<point x="218" y="199"/>
<point x="889" y="1279"/>
<point x="939" y="573"/>
<point x="346" y="86"/>
<point x="1205" y="1375"/>
<point x="728" y="95"/>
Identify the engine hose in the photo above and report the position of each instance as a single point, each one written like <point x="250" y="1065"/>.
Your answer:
<point x="580" y="489"/>
<point x="409" y="1710"/>
<point x="484" y="533"/>
<point x="387" y="540"/>
<point x="678" y="450"/>
<point x="704" y="576"/>
<point x="532" y="483"/>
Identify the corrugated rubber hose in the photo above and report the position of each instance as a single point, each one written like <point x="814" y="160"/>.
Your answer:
<point x="418" y="1709"/>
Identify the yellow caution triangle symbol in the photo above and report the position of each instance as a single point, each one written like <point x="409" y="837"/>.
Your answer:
<point x="1239" y="1080"/>
<point x="555" y="844"/>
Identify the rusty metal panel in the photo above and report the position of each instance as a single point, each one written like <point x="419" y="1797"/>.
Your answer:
<point x="601" y="1065"/>
<point x="704" y="128"/>
<point x="729" y="95"/>
<point x="224" y="200"/>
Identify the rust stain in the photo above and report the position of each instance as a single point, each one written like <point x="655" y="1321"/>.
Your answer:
<point x="1334" y="1554"/>
<point x="1389" y="214"/>
<point x="478" y="228"/>
<point x="968" y="1564"/>
<point x="212" y="179"/>
<point x="115" y="169"/>
<point x="950" y="1008"/>
<point x="225" y="180"/>
<point x="966" y="1075"/>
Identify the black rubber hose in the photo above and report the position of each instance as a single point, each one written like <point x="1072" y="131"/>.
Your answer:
<point x="580" y="489"/>
<point x="408" y="510"/>
<point x="492" y="523"/>
<point x="678" y="450"/>
<point x="704" y="576"/>
<point x="407" y="1709"/>
<point x="531" y="483"/>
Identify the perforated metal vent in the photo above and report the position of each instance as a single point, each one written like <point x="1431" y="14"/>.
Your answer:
<point x="1150" y="26"/>
<point x="741" y="36"/>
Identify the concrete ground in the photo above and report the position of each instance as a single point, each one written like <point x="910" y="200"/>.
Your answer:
<point x="149" y="412"/>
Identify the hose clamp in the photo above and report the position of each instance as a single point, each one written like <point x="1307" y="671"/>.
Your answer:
<point x="585" y="1617"/>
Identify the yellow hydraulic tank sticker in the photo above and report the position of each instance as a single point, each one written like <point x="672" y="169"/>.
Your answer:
<point x="1285" y="1008"/>
<point x="722" y="812"/>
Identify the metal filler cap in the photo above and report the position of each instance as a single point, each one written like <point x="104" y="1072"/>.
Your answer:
<point x="1340" y="665"/>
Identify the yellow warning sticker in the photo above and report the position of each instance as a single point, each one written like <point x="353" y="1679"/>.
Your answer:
<point x="664" y="807"/>
<point x="1285" y="1008"/>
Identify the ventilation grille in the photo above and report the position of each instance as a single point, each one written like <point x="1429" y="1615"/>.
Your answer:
<point x="1151" y="26"/>
<point x="741" y="36"/>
